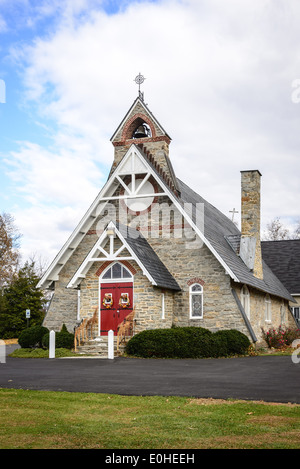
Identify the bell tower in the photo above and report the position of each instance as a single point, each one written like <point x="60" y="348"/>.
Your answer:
<point x="141" y="128"/>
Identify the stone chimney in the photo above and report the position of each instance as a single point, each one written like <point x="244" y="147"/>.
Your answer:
<point x="250" y="247"/>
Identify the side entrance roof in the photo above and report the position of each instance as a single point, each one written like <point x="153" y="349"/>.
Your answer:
<point x="136" y="247"/>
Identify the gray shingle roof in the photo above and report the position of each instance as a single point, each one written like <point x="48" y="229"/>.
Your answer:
<point x="283" y="257"/>
<point x="217" y="229"/>
<point x="224" y="237"/>
<point x="148" y="258"/>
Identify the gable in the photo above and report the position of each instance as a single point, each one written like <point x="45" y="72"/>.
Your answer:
<point x="119" y="243"/>
<point x="135" y="163"/>
<point x="138" y="110"/>
<point x="128" y="183"/>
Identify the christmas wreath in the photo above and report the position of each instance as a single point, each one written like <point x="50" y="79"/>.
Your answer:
<point x="124" y="301"/>
<point x="107" y="301"/>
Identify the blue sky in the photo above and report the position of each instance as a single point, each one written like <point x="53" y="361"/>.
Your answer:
<point x="219" y="78"/>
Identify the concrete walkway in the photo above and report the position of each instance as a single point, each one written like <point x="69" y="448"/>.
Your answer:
<point x="272" y="379"/>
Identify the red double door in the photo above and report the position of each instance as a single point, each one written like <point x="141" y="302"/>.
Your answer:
<point x="116" y="303"/>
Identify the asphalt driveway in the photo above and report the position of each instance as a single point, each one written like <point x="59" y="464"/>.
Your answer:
<point x="271" y="379"/>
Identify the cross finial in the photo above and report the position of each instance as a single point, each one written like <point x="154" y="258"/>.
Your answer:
<point x="234" y="211"/>
<point x="140" y="79"/>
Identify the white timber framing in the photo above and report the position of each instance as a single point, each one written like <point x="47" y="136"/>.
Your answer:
<point x="133" y="163"/>
<point x="99" y="254"/>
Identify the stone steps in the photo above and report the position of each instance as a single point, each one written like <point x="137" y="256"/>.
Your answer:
<point x="99" y="347"/>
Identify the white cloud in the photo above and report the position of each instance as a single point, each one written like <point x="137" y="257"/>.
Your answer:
<point x="218" y="77"/>
<point x="66" y="178"/>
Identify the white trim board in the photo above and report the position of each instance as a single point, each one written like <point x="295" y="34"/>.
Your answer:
<point x="111" y="256"/>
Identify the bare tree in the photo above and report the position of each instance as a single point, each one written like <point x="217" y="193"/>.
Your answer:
<point x="297" y="231"/>
<point x="276" y="231"/>
<point x="9" y="244"/>
<point x="39" y="262"/>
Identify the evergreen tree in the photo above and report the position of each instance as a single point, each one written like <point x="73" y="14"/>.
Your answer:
<point x="20" y="295"/>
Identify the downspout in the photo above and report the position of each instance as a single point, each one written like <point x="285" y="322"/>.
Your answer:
<point x="78" y="305"/>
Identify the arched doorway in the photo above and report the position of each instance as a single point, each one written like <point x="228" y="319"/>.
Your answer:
<point x="116" y="297"/>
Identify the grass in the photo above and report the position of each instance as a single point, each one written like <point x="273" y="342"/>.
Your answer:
<point x="62" y="420"/>
<point x="61" y="352"/>
<point x="41" y="353"/>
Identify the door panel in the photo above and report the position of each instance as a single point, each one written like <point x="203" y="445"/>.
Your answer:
<point x="115" y="311"/>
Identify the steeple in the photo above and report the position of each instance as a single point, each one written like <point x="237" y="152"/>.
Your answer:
<point x="141" y="128"/>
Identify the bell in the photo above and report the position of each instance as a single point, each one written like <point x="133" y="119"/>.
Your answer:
<point x="140" y="132"/>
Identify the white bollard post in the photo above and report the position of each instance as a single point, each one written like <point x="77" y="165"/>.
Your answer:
<point x="2" y="352"/>
<point x="111" y="344"/>
<point x="52" y="345"/>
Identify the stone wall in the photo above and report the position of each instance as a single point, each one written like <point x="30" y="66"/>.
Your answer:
<point x="147" y="299"/>
<point x="63" y="306"/>
<point x="280" y="313"/>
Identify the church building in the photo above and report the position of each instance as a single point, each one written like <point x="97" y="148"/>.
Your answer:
<point x="151" y="248"/>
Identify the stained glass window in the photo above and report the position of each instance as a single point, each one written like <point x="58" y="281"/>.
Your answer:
<point x="196" y="301"/>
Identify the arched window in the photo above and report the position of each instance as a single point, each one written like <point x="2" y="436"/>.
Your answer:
<point x="245" y="300"/>
<point x="116" y="271"/>
<point x="268" y="311"/>
<point x="196" y="301"/>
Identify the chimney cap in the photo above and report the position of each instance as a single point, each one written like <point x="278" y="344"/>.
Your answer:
<point x="251" y="171"/>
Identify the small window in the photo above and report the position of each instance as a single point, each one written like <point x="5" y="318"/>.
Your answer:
<point x="296" y="312"/>
<point x="268" y="311"/>
<point x="196" y="301"/>
<point x="116" y="271"/>
<point x="282" y="313"/>
<point x="163" y="306"/>
<point x="245" y="300"/>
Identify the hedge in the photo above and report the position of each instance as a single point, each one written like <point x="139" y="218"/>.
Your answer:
<point x="187" y="342"/>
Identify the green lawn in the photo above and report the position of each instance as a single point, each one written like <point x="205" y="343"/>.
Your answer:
<point x="62" y="420"/>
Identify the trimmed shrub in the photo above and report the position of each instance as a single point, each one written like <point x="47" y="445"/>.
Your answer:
<point x="233" y="342"/>
<point x="32" y="337"/>
<point x="178" y="342"/>
<point x="187" y="342"/>
<point x="63" y="339"/>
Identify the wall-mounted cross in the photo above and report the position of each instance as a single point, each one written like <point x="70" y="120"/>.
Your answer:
<point x="234" y="211"/>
